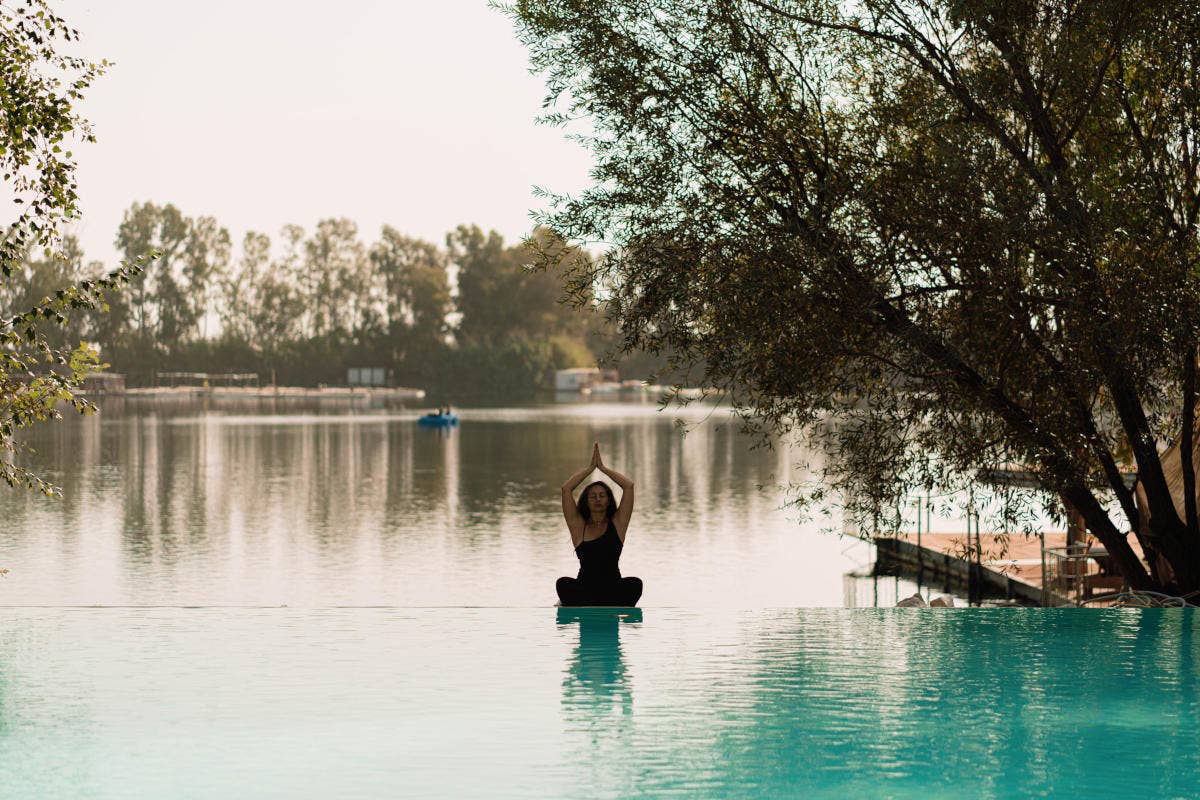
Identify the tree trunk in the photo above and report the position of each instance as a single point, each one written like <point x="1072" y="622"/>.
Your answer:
<point x="1144" y="536"/>
<point x="1171" y="538"/>
<point x="1127" y="561"/>
<point x="1186" y="441"/>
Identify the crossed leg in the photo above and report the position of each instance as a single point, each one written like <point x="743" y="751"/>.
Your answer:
<point x="574" y="592"/>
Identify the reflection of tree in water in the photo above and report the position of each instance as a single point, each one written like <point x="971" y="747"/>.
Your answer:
<point x="596" y="681"/>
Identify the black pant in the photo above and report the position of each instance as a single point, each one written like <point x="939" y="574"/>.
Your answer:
<point x="619" y="592"/>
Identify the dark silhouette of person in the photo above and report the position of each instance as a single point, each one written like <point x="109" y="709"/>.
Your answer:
<point x="598" y="526"/>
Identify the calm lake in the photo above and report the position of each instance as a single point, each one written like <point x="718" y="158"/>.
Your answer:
<point x="183" y="505"/>
<point x="186" y="532"/>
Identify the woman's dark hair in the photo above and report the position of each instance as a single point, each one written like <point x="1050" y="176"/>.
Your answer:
<point x="586" y="512"/>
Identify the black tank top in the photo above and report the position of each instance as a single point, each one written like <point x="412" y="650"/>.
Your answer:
<point x="598" y="557"/>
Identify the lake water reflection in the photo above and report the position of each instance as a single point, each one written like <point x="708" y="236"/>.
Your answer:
<point x="197" y="506"/>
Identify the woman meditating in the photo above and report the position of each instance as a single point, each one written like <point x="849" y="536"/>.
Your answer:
<point x="597" y="525"/>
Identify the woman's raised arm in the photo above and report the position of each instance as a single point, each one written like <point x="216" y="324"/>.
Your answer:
<point x="625" y="510"/>
<point x="575" y="522"/>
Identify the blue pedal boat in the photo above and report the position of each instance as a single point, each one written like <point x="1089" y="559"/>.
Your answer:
<point x="438" y="420"/>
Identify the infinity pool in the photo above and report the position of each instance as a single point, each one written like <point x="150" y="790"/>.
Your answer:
<point x="485" y="702"/>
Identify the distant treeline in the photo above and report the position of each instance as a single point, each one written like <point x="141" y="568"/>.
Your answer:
<point x="308" y="306"/>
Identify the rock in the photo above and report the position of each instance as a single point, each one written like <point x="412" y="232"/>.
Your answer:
<point x="945" y="601"/>
<point x="916" y="601"/>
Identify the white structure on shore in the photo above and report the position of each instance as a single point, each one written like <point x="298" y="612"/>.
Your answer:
<point x="578" y="379"/>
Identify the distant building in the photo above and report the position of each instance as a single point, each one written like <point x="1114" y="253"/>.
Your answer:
<point x="103" y="383"/>
<point x="368" y="376"/>
<point x="579" y="378"/>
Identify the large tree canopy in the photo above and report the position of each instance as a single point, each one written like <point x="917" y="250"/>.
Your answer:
<point x="967" y="230"/>
<point x="38" y="90"/>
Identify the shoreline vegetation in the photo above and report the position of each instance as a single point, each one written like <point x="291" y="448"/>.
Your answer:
<point x="470" y="320"/>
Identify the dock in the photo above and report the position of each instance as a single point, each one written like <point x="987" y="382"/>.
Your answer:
<point x="281" y="392"/>
<point x="258" y="398"/>
<point x="1033" y="570"/>
<point x="363" y="386"/>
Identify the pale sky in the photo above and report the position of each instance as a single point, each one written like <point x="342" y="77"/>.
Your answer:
<point x="262" y="112"/>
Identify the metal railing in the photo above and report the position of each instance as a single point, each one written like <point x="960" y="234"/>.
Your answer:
<point x="1073" y="574"/>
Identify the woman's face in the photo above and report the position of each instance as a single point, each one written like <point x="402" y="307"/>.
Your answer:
<point x="597" y="500"/>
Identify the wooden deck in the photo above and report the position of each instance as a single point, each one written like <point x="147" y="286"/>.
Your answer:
<point x="1011" y="570"/>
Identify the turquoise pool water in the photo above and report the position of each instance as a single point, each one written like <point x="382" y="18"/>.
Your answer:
<point x="537" y="702"/>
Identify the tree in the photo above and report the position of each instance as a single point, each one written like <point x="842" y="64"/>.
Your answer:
<point x="429" y="297"/>
<point x="415" y="288"/>
<point x="260" y="304"/>
<point x="172" y="298"/>
<point x="37" y="98"/>
<point x="156" y="293"/>
<point x="489" y="276"/>
<point x="335" y="271"/>
<point x="500" y="295"/>
<point x="545" y="260"/>
<point x="206" y="264"/>
<point x="966" y="230"/>
<point x="239" y="287"/>
<point x="275" y="317"/>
